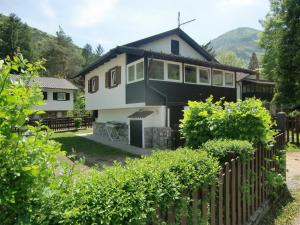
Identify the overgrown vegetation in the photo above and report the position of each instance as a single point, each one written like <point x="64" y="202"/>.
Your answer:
<point x="243" y="120"/>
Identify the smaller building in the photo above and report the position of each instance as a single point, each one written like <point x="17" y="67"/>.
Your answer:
<point x="58" y="96"/>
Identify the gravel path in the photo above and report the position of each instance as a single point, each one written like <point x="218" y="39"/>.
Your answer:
<point x="293" y="175"/>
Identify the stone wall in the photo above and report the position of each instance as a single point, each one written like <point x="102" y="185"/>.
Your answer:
<point x="99" y="129"/>
<point x="158" y="137"/>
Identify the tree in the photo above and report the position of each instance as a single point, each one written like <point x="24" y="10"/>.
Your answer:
<point x="281" y="41"/>
<point x="15" y="35"/>
<point x="209" y="48"/>
<point x="63" y="59"/>
<point x="253" y="63"/>
<point x="99" y="50"/>
<point x="27" y="155"/>
<point x="231" y="59"/>
<point x="88" y="55"/>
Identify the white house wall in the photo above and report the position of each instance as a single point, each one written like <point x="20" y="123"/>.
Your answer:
<point x="54" y="105"/>
<point x="164" y="45"/>
<point x="157" y="119"/>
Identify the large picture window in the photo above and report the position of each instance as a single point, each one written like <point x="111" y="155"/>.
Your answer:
<point x="217" y="78"/>
<point x="204" y="75"/>
<point x="135" y="71"/>
<point x="173" y="71"/>
<point x="156" y="70"/>
<point x="190" y="74"/>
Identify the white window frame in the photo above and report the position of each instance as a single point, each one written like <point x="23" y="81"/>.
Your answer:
<point x="166" y="71"/>
<point x="134" y="64"/>
<point x="233" y="79"/>
<point x="62" y="94"/>
<point x="93" y="88"/>
<point x="164" y="75"/>
<point x="209" y="75"/>
<point x="113" y="82"/>
<point x="197" y="74"/>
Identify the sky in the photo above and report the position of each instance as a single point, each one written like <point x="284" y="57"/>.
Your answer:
<point x="116" y="22"/>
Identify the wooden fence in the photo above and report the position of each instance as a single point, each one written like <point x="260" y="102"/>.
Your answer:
<point x="66" y="123"/>
<point x="234" y="199"/>
<point x="293" y="130"/>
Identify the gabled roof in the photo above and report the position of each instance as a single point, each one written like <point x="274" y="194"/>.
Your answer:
<point x="49" y="82"/>
<point x="140" y="52"/>
<point x="181" y="34"/>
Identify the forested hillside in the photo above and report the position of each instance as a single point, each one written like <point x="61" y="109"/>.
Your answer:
<point x="63" y="57"/>
<point x="242" y="41"/>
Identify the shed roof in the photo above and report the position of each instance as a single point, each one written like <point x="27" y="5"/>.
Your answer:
<point x="141" y="114"/>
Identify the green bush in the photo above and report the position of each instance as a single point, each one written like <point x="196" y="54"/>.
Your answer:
<point x="27" y="156"/>
<point x="226" y="149"/>
<point x="77" y="123"/>
<point x="242" y="120"/>
<point x="129" y="194"/>
<point x="294" y="114"/>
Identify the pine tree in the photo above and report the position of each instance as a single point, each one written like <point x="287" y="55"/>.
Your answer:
<point x="281" y="41"/>
<point x="88" y="55"/>
<point x="99" y="50"/>
<point x="253" y="64"/>
<point x="209" y="48"/>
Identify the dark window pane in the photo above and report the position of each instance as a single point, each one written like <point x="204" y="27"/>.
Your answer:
<point x="173" y="71"/>
<point x="190" y="74"/>
<point x="175" y="47"/>
<point x="204" y="76"/>
<point x="156" y="70"/>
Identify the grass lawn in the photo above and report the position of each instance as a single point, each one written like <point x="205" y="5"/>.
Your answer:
<point x="93" y="152"/>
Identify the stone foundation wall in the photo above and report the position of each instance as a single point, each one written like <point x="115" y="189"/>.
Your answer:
<point x="158" y="137"/>
<point x="99" y="129"/>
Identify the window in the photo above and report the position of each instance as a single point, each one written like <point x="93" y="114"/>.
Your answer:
<point x="93" y="84"/>
<point x="173" y="71"/>
<point x="204" y="76"/>
<point x="190" y="74"/>
<point x="217" y="78"/>
<point x="45" y="95"/>
<point x="175" y="47"/>
<point x="156" y="70"/>
<point x="229" y="77"/>
<point x="113" y="78"/>
<point x="131" y="73"/>
<point x="140" y="70"/>
<point x="61" y="96"/>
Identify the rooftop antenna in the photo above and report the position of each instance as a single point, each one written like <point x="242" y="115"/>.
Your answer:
<point x="179" y="22"/>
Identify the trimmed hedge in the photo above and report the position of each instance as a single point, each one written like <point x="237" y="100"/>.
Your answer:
<point x="128" y="194"/>
<point x="226" y="149"/>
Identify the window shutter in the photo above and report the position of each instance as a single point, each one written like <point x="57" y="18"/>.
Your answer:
<point x="90" y="85"/>
<point x="54" y="95"/>
<point x="118" y="74"/>
<point x="107" y="79"/>
<point x="67" y="96"/>
<point x="45" y="95"/>
<point x="97" y="82"/>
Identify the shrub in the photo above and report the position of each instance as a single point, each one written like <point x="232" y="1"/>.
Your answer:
<point x="225" y="149"/>
<point x="243" y="120"/>
<point x="294" y="114"/>
<point x="27" y="157"/>
<point x="77" y="123"/>
<point x="129" y="194"/>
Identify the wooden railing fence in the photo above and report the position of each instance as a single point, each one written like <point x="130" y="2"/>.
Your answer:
<point x="240" y="191"/>
<point x="293" y="130"/>
<point x="66" y="123"/>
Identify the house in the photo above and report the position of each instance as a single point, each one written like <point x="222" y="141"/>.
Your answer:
<point x="146" y="85"/>
<point x="58" y="96"/>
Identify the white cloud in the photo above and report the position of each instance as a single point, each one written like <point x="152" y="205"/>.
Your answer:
<point x="238" y="3"/>
<point x="89" y="13"/>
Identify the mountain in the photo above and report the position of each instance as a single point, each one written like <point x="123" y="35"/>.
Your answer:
<point x="242" y="41"/>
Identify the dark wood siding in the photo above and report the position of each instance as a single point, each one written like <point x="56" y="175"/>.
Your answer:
<point x="258" y="90"/>
<point x="181" y="93"/>
<point x="135" y="92"/>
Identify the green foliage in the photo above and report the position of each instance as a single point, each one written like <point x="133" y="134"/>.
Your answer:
<point x="294" y="114"/>
<point x="209" y="48"/>
<point x="253" y="63"/>
<point x="99" y="50"/>
<point x="79" y="104"/>
<point x="243" y="120"/>
<point x="128" y="194"/>
<point x="231" y="59"/>
<point x="77" y="122"/>
<point x="242" y="41"/>
<point x="280" y="39"/>
<point x="27" y="156"/>
<point x="88" y="55"/>
<point x="226" y="149"/>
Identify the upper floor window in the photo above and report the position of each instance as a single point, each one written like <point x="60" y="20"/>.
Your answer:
<point x="204" y="75"/>
<point x="223" y="78"/>
<point x="190" y="74"/>
<point x="113" y="77"/>
<point x="174" y="72"/>
<point x="156" y="70"/>
<point x="217" y="78"/>
<point x="93" y="84"/>
<point x="229" y="79"/>
<point x="175" y="47"/>
<point x="135" y="71"/>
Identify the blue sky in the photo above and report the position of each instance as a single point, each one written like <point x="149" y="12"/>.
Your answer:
<point x="116" y="22"/>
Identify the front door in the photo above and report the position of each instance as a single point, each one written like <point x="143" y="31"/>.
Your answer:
<point x="136" y="133"/>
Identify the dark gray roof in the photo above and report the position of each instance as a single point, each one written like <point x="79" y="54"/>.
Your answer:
<point x="141" y="114"/>
<point x="50" y="82"/>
